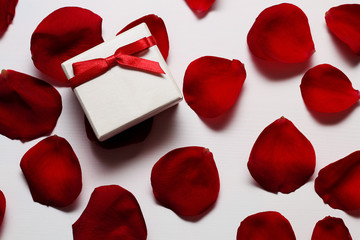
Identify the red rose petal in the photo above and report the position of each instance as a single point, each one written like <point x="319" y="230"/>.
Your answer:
<point x="157" y="28"/>
<point x="212" y="85"/>
<point x="7" y="13"/>
<point x="281" y="33"/>
<point x="62" y="35"/>
<point x="265" y="226"/>
<point x="282" y="158"/>
<point x="325" y="88"/>
<point x="331" y="228"/>
<point x="186" y="180"/>
<point x="344" y="22"/>
<point x="200" y="6"/>
<point x="2" y="206"/>
<point x="112" y="214"/>
<point x="52" y="172"/>
<point x="338" y="183"/>
<point x="29" y="107"/>
<point x="133" y="135"/>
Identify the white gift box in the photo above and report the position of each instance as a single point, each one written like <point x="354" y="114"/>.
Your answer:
<point x="121" y="97"/>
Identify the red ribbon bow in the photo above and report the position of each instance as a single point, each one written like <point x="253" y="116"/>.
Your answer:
<point x="86" y="70"/>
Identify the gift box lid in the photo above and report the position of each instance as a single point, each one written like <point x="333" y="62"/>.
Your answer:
<point x="122" y="97"/>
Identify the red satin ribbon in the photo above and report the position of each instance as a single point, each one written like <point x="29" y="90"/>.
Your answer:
<point x="86" y="70"/>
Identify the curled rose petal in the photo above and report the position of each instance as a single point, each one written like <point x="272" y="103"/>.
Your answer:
<point x="265" y="226"/>
<point x="29" y="107"/>
<point x="325" y="88"/>
<point x="133" y="135"/>
<point x="338" y="183"/>
<point x="212" y="85"/>
<point x="200" y="6"/>
<point x="52" y="172"/>
<point x="2" y="206"/>
<point x="282" y="158"/>
<point x="331" y="228"/>
<point x="344" y="22"/>
<point x="281" y="33"/>
<point x="157" y="28"/>
<point x="7" y="13"/>
<point x="186" y="180"/>
<point x="62" y="35"/>
<point x="112" y="213"/>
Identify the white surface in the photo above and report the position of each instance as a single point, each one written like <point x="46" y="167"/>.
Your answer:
<point x="122" y="98"/>
<point x="269" y="92"/>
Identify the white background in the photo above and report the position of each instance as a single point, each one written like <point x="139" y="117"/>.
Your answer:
<point x="269" y="92"/>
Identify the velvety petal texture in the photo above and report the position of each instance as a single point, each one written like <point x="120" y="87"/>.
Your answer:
<point x="344" y="22"/>
<point x="157" y="28"/>
<point x="200" y="6"/>
<point x="62" y="35"/>
<point x="52" y="171"/>
<point x="186" y="180"/>
<point x="338" y="183"/>
<point x="331" y="228"/>
<point x="133" y="135"/>
<point x="2" y="206"/>
<point x="212" y="85"/>
<point x="112" y="213"/>
<point x="7" y="13"/>
<point x="265" y="226"/>
<point x="325" y="88"/>
<point x="29" y="107"/>
<point x="282" y="158"/>
<point x="281" y="33"/>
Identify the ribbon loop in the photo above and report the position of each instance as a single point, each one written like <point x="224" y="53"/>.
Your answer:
<point x="86" y="70"/>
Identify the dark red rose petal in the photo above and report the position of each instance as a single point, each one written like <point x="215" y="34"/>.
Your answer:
<point x="157" y="28"/>
<point x="62" y="35"/>
<point x="338" y="183"/>
<point x="281" y="33"/>
<point x="29" y="107"/>
<point x="344" y="22"/>
<point x="133" y="135"/>
<point x="52" y="172"/>
<point x="200" y="6"/>
<point x="265" y="226"/>
<point x="331" y="228"/>
<point x="212" y="85"/>
<point x="7" y="13"/>
<point x="112" y="214"/>
<point x="186" y="180"/>
<point x="2" y="206"/>
<point x="282" y="158"/>
<point x="325" y="88"/>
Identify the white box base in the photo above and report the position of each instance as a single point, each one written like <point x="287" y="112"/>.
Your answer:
<point x="122" y="97"/>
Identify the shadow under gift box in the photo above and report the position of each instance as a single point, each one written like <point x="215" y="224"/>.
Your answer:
<point x="123" y="97"/>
